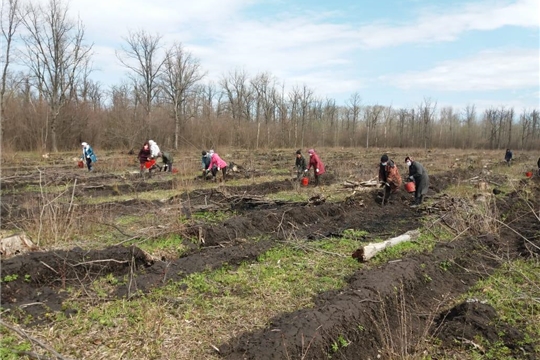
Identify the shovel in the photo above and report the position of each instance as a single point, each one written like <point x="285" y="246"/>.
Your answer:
<point x="384" y="193"/>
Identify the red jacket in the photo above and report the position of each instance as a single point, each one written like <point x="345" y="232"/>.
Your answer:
<point x="315" y="162"/>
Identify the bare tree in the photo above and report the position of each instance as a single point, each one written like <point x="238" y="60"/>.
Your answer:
<point x="470" y="118"/>
<point x="372" y="116"/>
<point x="426" y="111"/>
<point x="56" y="55"/>
<point x="10" y="20"/>
<point x="180" y="73"/>
<point x="141" y="57"/>
<point x="354" y="115"/>
<point x="305" y="102"/>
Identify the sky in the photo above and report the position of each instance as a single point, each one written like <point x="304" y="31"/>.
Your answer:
<point x="390" y="52"/>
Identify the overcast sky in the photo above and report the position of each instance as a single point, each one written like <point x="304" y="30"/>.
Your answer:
<point x="392" y="52"/>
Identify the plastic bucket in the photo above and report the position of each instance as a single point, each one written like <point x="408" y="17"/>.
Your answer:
<point x="409" y="187"/>
<point x="148" y="164"/>
<point x="305" y="181"/>
<point x="529" y="174"/>
<point x="80" y="164"/>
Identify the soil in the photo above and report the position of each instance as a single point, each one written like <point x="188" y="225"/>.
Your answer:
<point x="369" y="312"/>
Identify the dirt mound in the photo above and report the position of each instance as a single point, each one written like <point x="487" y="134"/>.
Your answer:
<point x="48" y="273"/>
<point x="36" y="278"/>
<point x="369" y="315"/>
<point x="468" y="321"/>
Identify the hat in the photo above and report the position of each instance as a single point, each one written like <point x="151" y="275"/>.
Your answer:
<point x="84" y="144"/>
<point x="384" y="158"/>
<point x="151" y="142"/>
<point x="311" y="151"/>
<point x="298" y="152"/>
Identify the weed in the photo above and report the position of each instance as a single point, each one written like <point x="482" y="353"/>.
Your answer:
<point x="354" y="234"/>
<point x="213" y="216"/>
<point x="445" y="265"/>
<point x="9" y="278"/>
<point x="11" y="346"/>
<point x="171" y="246"/>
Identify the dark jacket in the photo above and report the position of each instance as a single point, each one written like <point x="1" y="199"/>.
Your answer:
<point x="166" y="157"/>
<point x="206" y="161"/>
<point x="301" y="163"/>
<point x="421" y="177"/>
<point x="508" y="156"/>
<point x="144" y="154"/>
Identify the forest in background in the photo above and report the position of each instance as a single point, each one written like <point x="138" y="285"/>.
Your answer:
<point x="49" y="101"/>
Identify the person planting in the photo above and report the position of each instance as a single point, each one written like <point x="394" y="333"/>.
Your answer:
<point x="317" y="165"/>
<point x="144" y="156"/>
<point x="419" y="175"/>
<point x="217" y="164"/>
<point x="389" y="177"/>
<point x="88" y="155"/>
<point x="300" y="164"/>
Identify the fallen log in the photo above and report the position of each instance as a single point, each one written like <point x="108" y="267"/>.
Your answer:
<point x="369" y="183"/>
<point x="349" y="183"/>
<point x="370" y="250"/>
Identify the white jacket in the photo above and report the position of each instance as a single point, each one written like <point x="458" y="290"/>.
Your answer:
<point x="154" y="148"/>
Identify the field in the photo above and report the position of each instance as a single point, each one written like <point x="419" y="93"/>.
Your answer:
<point x="258" y="267"/>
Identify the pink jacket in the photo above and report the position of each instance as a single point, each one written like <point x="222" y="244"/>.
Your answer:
<point x="315" y="162"/>
<point x="216" y="161"/>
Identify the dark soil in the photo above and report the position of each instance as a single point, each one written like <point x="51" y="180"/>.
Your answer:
<point x="468" y="321"/>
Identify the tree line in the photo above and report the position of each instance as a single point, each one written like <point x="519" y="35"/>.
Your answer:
<point x="48" y="100"/>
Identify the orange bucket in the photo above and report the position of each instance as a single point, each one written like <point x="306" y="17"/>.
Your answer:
<point x="148" y="164"/>
<point x="410" y="187"/>
<point x="305" y="181"/>
<point x="529" y="174"/>
<point x="80" y="164"/>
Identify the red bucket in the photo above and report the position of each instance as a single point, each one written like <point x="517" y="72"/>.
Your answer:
<point x="529" y="174"/>
<point x="80" y="164"/>
<point x="305" y="181"/>
<point x="149" y="163"/>
<point x="409" y="187"/>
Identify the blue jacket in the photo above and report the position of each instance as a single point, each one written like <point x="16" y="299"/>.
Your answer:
<point x="89" y="152"/>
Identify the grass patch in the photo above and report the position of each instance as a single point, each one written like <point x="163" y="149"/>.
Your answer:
<point x="513" y="292"/>
<point x="171" y="246"/>
<point x="291" y="195"/>
<point x="11" y="346"/>
<point x="213" y="216"/>
<point x="184" y="320"/>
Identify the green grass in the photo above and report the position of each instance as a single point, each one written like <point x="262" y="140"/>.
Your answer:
<point x="205" y="308"/>
<point x="514" y="293"/>
<point x="171" y="245"/>
<point x="10" y="345"/>
<point x="213" y="216"/>
<point x="290" y="195"/>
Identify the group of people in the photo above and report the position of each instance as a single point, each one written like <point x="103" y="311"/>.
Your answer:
<point x="212" y="163"/>
<point x="391" y="180"/>
<point x="303" y="167"/>
<point x="148" y="154"/>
